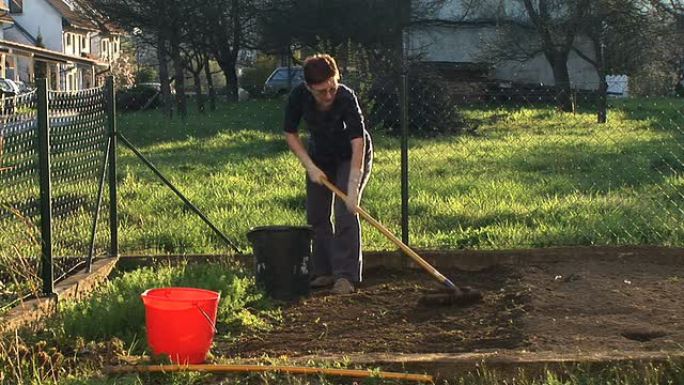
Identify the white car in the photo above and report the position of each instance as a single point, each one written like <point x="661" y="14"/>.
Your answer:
<point x="283" y="79"/>
<point x="9" y="87"/>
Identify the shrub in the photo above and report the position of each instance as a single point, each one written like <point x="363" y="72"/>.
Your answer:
<point x="135" y="98"/>
<point x="146" y="75"/>
<point x="253" y="78"/>
<point x="117" y="310"/>
<point x="431" y="108"/>
<point x="655" y="79"/>
<point x="679" y="89"/>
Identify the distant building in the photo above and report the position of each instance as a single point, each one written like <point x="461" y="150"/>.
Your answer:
<point x="456" y="38"/>
<point x="77" y="43"/>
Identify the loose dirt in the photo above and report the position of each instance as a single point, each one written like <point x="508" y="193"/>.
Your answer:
<point x="598" y="305"/>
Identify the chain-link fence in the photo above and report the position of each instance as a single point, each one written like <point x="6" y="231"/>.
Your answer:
<point x="495" y="164"/>
<point x="461" y="161"/>
<point x="78" y="144"/>
<point x="19" y="197"/>
<point x="52" y="158"/>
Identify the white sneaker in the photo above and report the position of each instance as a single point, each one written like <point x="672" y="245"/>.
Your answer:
<point x="342" y="286"/>
<point x="322" y="281"/>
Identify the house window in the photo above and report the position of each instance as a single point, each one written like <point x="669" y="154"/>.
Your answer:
<point x="16" y="6"/>
<point x="68" y="39"/>
<point x="83" y="42"/>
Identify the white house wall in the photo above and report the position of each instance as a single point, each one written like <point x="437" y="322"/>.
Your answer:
<point x="13" y="34"/>
<point x="41" y="17"/>
<point x="76" y="44"/>
<point x="538" y="70"/>
<point x="467" y="29"/>
<point x="466" y="44"/>
<point x="3" y="25"/>
<point x="447" y="44"/>
<point x="458" y="10"/>
<point x="108" y="54"/>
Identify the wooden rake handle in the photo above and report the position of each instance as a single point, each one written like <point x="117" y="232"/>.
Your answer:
<point x="227" y="368"/>
<point x="423" y="263"/>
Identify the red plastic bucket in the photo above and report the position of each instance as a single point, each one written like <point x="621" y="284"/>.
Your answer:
<point x="181" y="322"/>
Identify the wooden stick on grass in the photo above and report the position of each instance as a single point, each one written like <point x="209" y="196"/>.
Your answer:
<point x="207" y="368"/>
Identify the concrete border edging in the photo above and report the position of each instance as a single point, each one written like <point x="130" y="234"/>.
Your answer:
<point x="505" y="363"/>
<point x="468" y="260"/>
<point x="77" y="285"/>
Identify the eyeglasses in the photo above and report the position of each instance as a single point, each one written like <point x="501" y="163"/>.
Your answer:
<point x="325" y="91"/>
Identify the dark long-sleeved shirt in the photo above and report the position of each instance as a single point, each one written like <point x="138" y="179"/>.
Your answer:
<point x="331" y="130"/>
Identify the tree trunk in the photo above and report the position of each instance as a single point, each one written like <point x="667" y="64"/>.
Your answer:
<point x="230" y="73"/>
<point x="165" y="88"/>
<point x="210" y="84"/>
<point x="561" y="78"/>
<point x="198" y="91"/>
<point x="179" y="74"/>
<point x="602" y="102"/>
<point x="231" y="84"/>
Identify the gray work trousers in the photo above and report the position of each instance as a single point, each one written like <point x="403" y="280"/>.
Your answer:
<point x="337" y="239"/>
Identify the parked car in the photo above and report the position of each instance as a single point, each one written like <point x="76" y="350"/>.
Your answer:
<point x="283" y="79"/>
<point x="23" y="87"/>
<point x="8" y="87"/>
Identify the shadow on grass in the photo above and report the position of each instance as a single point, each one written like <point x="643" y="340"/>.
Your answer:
<point x="590" y="169"/>
<point x="219" y="155"/>
<point x="662" y="113"/>
<point x="152" y="127"/>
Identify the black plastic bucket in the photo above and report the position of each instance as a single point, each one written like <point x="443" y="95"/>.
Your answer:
<point x="282" y="257"/>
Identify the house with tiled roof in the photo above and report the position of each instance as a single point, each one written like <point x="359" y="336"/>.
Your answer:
<point x="5" y="19"/>
<point x="5" y="23"/>
<point x="65" y="27"/>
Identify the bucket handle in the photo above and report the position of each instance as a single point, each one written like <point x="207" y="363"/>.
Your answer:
<point x="211" y="323"/>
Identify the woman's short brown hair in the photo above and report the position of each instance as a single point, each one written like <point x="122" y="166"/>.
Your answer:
<point x="319" y="68"/>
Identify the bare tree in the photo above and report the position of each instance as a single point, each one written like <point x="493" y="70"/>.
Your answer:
<point x="619" y="31"/>
<point x="228" y="27"/>
<point x="163" y="20"/>
<point x="164" y="81"/>
<point x="195" y="61"/>
<point x="672" y="7"/>
<point x="369" y="30"/>
<point x="210" y="83"/>
<point x="539" y="27"/>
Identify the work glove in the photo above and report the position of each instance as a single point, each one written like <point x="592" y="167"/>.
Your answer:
<point x="353" y="186"/>
<point x="315" y="173"/>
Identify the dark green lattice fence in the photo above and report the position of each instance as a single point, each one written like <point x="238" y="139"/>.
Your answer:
<point x="53" y="147"/>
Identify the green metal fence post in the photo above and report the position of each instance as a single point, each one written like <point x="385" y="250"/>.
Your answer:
<point x="113" y="212"/>
<point x="404" y="160"/>
<point x="173" y="188"/>
<point x="47" y="272"/>
<point x="96" y="216"/>
<point x="405" y="18"/>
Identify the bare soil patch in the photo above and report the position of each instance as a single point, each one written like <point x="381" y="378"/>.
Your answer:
<point x="601" y="305"/>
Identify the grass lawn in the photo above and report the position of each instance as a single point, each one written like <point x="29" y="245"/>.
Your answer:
<point x="527" y="177"/>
